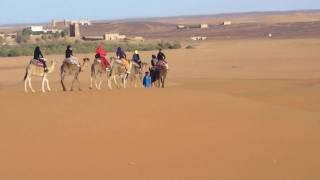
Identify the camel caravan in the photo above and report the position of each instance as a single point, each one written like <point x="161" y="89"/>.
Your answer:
<point x="118" y="71"/>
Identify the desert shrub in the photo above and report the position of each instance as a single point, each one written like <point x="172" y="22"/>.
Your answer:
<point x="23" y="36"/>
<point x="189" y="47"/>
<point x="58" y="46"/>
<point x="169" y="45"/>
<point x="14" y="52"/>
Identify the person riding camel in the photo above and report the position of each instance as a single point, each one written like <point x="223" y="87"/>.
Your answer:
<point x="154" y="60"/>
<point x="162" y="59"/>
<point x="121" y="55"/>
<point x="101" y="54"/>
<point x="136" y="58"/>
<point x="70" y="58"/>
<point x="37" y="55"/>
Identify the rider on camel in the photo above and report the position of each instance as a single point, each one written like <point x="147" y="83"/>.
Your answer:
<point x="70" y="58"/>
<point x="154" y="61"/>
<point x="121" y="55"/>
<point x="101" y="54"/>
<point x="162" y="59"/>
<point x="39" y="56"/>
<point x="136" y="58"/>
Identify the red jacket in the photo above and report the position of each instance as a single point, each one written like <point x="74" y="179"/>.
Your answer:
<point x="100" y="50"/>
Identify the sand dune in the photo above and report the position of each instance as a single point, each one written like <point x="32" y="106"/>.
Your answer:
<point x="245" y="109"/>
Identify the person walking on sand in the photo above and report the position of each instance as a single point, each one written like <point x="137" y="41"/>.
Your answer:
<point x="147" y="81"/>
<point x="39" y="56"/>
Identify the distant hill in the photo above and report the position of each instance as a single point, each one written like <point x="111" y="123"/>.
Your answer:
<point x="303" y="23"/>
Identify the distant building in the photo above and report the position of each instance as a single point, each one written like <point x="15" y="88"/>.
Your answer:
<point x="52" y="31"/>
<point x="181" y="27"/>
<point x="36" y="29"/>
<point x="114" y="37"/>
<point x="68" y="22"/>
<point x="53" y="23"/>
<point x="226" y="23"/>
<point x="204" y="26"/>
<point x="93" y="38"/>
<point x="138" y="38"/>
<point x="193" y="26"/>
<point x="199" y="38"/>
<point x="75" y="30"/>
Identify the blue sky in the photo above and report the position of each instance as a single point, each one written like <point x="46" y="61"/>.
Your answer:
<point x="29" y="11"/>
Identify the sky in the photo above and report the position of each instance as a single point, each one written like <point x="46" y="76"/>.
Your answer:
<point x="33" y="11"/>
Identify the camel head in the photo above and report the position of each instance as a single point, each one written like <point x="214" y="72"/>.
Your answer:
<point x="85" y="62"/>
<point x="51" y="66"/>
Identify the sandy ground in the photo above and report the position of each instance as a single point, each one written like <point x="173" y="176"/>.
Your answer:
<point x="233" y="110"/>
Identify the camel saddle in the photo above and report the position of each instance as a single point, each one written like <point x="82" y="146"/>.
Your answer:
<point x="36" y="62"/>
<point x="162" y="65"/>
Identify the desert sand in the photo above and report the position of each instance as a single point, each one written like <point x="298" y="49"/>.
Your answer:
<point x="232" y="110"/>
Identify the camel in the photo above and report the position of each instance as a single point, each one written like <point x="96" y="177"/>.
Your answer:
<point x="97" y="69"/>
<point x="137" y="74"/>
<point x="34" y="70"/>
<point x="159" y="76"/>
<point x="72" y="69"/>
<point x="118" y="70"/>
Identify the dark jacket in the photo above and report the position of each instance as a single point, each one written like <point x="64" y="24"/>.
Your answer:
<point x="154" y="61"/>
<point x="37" y="54"/>
<point x="69" y="53"/>
<point x="161" y="56"/>
<point x="121" y="54"/>
<point x="136" y="58"/>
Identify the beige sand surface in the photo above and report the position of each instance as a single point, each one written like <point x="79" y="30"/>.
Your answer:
<point x="233" y="110"/>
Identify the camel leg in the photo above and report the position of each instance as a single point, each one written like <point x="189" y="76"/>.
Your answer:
<point x="30" y="85"/>
<point x="72" y="84"/>
<point x="162" y="81"/>
<point x="115" y="81"/>
<point x="45" y="81"/>
<point x="109" y="83"/>
<point x="42" y="84"/>
<point x="100" y="83"/>
<point x="95" y="82"/>
<point x="48" y="84"/>
<point x="79" y="85"/>
<point x="135" y="82"/>
<point x="62" y="82"/>
<point x="124" y="81"/>
<point x="26" y="85"/>
<point x="91" y="83"/>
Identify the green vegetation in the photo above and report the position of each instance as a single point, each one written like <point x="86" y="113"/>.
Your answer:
<point x="56" y="44"/>
<point x="189" y="47"/>
<point x="23" y="36"/>
<point x="59" y="46"/>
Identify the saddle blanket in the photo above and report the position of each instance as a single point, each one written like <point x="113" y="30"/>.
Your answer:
<point x="37" y="62"/>
<point x="72" y="60"/>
